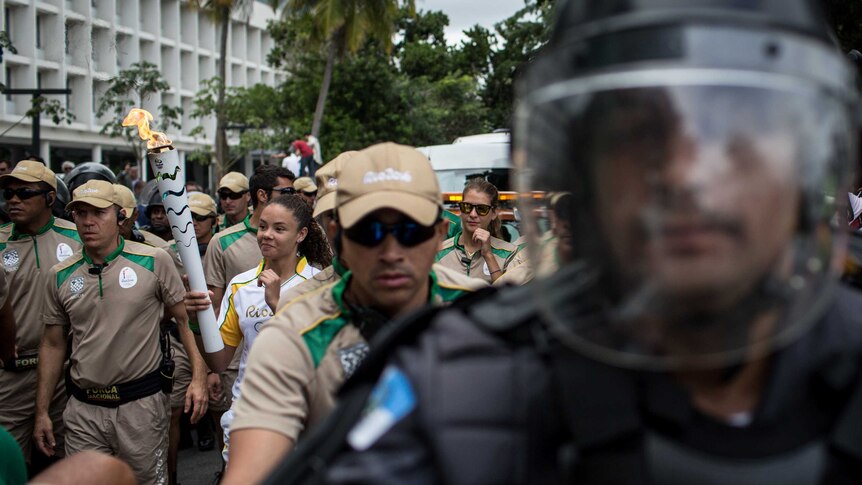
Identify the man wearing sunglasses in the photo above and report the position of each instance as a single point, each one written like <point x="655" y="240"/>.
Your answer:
<point x="390" y="226"/>
<point x="29" y="246"/>
<point x="234" y="199"/>
<point x="306" y="188"/>
<point x="233" y="251"/>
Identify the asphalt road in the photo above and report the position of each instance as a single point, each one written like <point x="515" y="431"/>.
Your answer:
<point x="197" y="467"/>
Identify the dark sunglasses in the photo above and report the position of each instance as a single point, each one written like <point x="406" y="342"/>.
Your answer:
<point x="22" y="193"/>
<point x="481" y="209"/>
<point x="200" y="218"/>
<point x="371" y="232"/>
<point x="310" y="194"/>
<point x="231" y="195"/>
<point x="285" y="190"/>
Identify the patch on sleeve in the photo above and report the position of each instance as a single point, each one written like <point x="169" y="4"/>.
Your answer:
<point x="351" y="357"/>
<point x="391" y="400"/>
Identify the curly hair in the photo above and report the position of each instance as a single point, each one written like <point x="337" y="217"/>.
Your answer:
<point x="314" y="247"/>
<point x="482" y="186"/>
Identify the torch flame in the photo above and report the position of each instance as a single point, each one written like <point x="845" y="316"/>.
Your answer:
<point x="141" y="118"/>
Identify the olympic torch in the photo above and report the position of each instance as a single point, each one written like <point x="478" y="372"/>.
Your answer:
<point x="171" y="180"/>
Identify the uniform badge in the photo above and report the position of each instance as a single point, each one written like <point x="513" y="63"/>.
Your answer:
<point x="76" y="285"/>
<point x="391" y="400"/>
<point x="64" y="252"/>
<point x="351" y="357"/>
<point x="128" y="277"/>
<point x="11" y="259"/>
<point x="486" y="270"/>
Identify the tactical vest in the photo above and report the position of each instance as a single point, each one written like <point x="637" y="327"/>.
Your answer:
<point x="510" y="405"/>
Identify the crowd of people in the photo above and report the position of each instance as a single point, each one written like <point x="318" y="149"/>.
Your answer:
<point x="672" y="314"/>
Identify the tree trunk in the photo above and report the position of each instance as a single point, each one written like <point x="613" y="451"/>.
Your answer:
<point x="221" y="148"/>
<point x="324" y="89"/>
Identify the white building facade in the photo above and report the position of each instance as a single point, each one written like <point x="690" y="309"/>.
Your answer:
<point x="82" y="44"/>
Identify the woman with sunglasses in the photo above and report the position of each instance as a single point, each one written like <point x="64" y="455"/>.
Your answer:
<point x="293" y="248"/>
<point x="477" y="250"/>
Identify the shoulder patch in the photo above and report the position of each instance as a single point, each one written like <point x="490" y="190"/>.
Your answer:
<point x="140" y="254"/>
<point x="66" y="228"/>
<point x="391" y="400"/>
<point x="445" y="248"/>
<point x="67" y="269"/>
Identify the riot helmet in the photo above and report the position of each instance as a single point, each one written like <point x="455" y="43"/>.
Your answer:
<point x="701" y="146"/>
<point x="63" y="198"/>
<point x="87" y="171"/>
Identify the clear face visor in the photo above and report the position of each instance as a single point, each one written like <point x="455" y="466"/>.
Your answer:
<point x="686" y="225"/>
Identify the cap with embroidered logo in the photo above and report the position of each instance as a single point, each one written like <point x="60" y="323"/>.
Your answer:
<point x="97" y="193"/>
<point x="30" y="171"/>
<point x="234" y="181"/>
<point x="127" y="199"/>
<point x="388" y="176"/>
<point x="327" y="182"/>
<point x="202" y="204"/>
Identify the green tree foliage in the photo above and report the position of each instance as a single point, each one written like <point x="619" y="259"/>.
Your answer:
<point x="130" y="88"/>
<point x="337" y="28"/>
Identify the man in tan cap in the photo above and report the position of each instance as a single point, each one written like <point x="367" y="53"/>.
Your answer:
<point x="234" y="197"/>
<point x="128" y="218"/>
<point x="388" y="206"/>
<point x="29" y="246"/>
<point x="111" y="295"/>
<point x="306" y="188"/>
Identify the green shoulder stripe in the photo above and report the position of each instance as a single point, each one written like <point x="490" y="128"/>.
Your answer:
<point x="449" y="294"/>
<point x="320" y="335"/>
<point x="447" y="247"/>
<point x="145" y="261"/>
<point x="228" y="239"/>
<point x="502" y="253"/>
<point x="64" y="273"/>
<point x="70" y="233"/>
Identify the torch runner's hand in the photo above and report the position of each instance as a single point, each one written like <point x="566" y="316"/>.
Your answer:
<point x="272" y="282"/>
<point x="214" y="386"/>
<point x="197" y="301"/>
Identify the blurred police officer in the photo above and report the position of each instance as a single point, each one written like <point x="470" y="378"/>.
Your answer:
<point x="29" y="246"/>
<point x="389" y="212"/>
<point x="111" y="296"/>
<point x="696" y="333"/>
<point x="234" y="198"/>
<point x="87" y="171"/>
<point x="159" y="223"/>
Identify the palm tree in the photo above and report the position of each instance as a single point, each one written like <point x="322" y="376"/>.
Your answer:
<point x="221" y="11"/>
<point x="340" y="27"/>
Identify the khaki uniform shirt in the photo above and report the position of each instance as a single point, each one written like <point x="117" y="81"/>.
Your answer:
<point x="453" y="256"/>
<point x="307" y="350"/>
<point x="153" y="240"/>
<point x="114" y="316"/>
<point x="230" y="253"/>
<point x="330" y="274"/>
<point x="27" y="261"/>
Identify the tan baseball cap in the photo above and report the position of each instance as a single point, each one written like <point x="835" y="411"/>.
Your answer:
<point x="388" y="176"/>
<point x="327" y="182"/>
<point x="304" y="184"/>
<point x="127" y="199"/>
<point x="97" y="193"/>
<point x="202" y="204"/>
<point x="234" y="181"/>
<point x="31" y="171"/>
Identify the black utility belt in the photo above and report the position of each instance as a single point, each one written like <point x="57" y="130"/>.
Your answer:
<point x="118" y="394"/>
<point x="22" y="363"/>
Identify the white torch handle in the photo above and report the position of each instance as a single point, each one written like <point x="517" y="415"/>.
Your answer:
<point x="172" y="186"/>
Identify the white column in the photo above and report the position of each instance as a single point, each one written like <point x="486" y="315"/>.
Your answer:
<point x="45" y="149"/>
<point x="96" y="154"/>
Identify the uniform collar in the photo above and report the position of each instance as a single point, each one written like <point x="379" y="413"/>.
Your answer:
<point x="110" y="257"/>
<point x="340" y="287"/>
<point x="247" y="225"/>
<point x="42" y="230"/>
